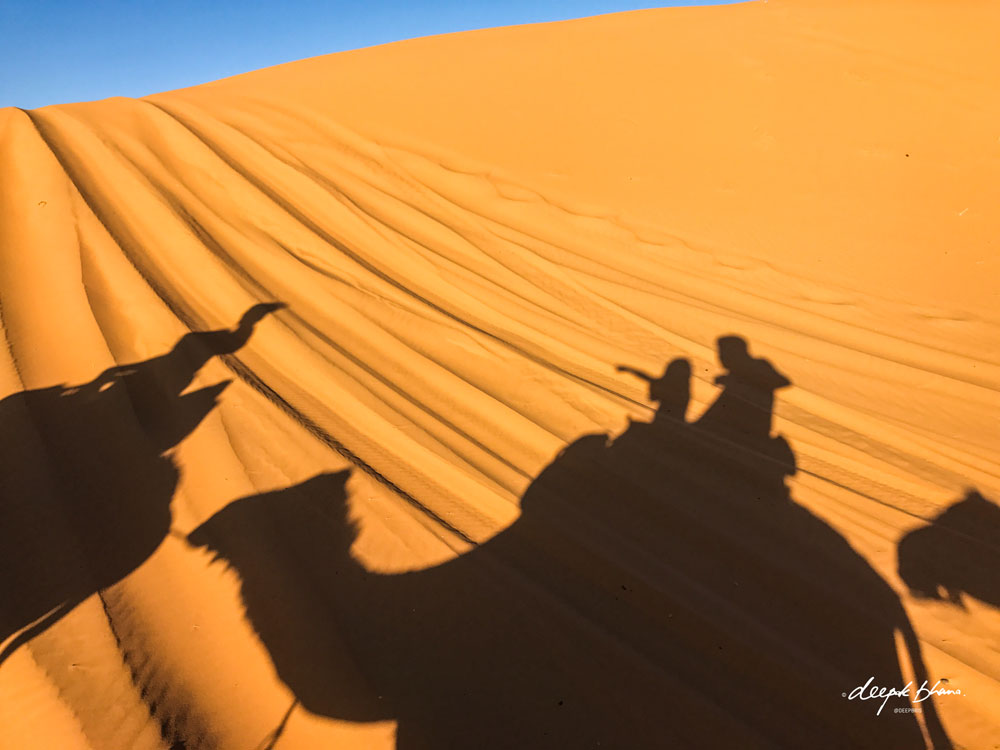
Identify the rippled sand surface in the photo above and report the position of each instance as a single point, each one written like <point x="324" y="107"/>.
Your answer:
<point x="624" y="382"/>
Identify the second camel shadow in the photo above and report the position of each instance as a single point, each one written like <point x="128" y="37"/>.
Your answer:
<point x="956" y="553"/>
<point x="661" y="590"/>
<point x="86" y="477"/>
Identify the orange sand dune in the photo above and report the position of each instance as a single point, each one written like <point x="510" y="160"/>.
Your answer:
<point x="633" y="383"/>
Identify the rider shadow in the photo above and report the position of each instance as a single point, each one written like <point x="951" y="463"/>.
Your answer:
<point x="659" y="590"/>
<point x="87" y="480"/>
<point x="955" y="553"/>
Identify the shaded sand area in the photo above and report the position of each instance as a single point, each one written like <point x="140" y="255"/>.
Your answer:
<point x="628" y="382"/>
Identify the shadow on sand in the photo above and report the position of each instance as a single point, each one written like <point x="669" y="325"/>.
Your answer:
<point x="86" y="480"/>
<point x="659" y="591"/>
<point x="955" y="553"/>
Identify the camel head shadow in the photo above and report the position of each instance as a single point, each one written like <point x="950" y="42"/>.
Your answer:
<point x="313" y="514"/>
<point x="291" y="549"/>
<point x="956" y="553"/>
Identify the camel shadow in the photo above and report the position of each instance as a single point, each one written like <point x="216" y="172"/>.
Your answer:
<point x="659" y="590"/>
<point x="87" y="477"/>
<point x="955" y="554"/>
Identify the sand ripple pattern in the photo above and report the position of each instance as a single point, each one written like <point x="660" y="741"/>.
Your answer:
<point x="447" y="333"/>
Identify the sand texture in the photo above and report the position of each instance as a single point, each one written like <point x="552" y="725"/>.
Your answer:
<point x="629" y="382"/>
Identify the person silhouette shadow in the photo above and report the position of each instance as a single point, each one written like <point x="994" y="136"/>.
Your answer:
<point x="661" y="589"/>
<point x="87" y="477"/>
<point x="956" y="553"/>
<point x="807" y="614"/>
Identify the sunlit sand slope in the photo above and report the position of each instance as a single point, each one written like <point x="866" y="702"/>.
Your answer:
<point x="367" y="518"/>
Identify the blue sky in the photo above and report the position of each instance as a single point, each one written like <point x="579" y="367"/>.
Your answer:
<point x="57" y="51"/>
